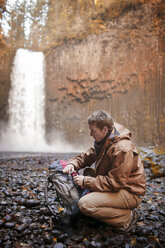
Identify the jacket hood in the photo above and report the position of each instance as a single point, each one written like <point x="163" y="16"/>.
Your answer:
<point x="124" y="133"/>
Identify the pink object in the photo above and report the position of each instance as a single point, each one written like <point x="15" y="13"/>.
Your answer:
<point x="63" y="163"/>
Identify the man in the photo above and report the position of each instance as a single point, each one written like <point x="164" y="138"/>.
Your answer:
<point x="119" y="181"/>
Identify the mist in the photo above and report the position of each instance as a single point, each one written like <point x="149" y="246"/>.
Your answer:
<point x="10" y="142"/>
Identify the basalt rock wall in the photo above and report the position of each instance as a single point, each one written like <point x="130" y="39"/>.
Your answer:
<point x="6" y="62"/>
<point x="121" y="70"/>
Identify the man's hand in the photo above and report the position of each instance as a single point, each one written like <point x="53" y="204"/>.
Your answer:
<point x="68" y="169"/>
<point x="78" y="180"/>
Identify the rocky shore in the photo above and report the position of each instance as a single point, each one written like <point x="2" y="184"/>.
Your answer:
<point x="26" y="222"/>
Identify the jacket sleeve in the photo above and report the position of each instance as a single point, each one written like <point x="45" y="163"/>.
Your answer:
<point x="84" y="159"/>
<point x="120" y="168"/>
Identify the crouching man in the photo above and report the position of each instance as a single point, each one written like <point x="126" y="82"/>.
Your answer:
<point x="118" y="182"/>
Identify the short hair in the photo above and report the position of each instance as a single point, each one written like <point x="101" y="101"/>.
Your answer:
<point x="101" y="118"/>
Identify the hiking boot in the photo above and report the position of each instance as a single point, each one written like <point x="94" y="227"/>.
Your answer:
<point x="127" y="227"/>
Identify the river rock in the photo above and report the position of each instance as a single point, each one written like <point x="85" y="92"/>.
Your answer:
<point x="33" y="224"/>
<point x="59" y="245"/>
<point x="22" y="227"/>
<point x="9" y="224"/>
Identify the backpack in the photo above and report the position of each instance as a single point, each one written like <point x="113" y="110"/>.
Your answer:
<point x="61" y="194"/>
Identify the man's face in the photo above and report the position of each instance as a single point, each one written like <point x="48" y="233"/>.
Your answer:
<point x="96" y="133"/>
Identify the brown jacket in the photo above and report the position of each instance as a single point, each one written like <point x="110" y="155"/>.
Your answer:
<point x="117" y="167"/>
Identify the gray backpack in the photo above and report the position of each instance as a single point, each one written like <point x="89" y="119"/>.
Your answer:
<point x="61" y="194"/>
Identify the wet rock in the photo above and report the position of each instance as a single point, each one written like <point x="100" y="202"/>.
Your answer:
<point x="44" y="211"/>
<point x="97" y="244"/>
<point x="97" y="237"/>
<point x="22" y="208"/>
<point x="9" y="224"/>
<point x="14" y="233"/>
<point x="5" y="202"/>
<point x="25" y="220"/>
<point x="20" y="182"/>
<point x="158" y="225"/>
<point x="21" y="244"/>
<point x="7" y="193"/>
<point x="153" y="217"/>
<point x="87" y="243"/>
<point x="142" y="240"/>
<point x="8" y="218"/>
<point x="35" y="226"/>
<point x="18" y="216"/>
<point x="59" y="245"/>
<point x="1" y="223"/>
<point x="162" y="212"/>
<point x="118" y="240"/>
<point x="42" y="219"/>
<point x="77" y="238"/>
<point x="56" y="233"/>
<point x="29" y="203"/>
<point x="143" y="231"/>
<point x="150" y="246"/>
<point x="62" y="237"/>
<point x="48" y="239"/>
<point x="4" y="235"/>
<point x="14" y="188"/>
<point x="21" y="228"/>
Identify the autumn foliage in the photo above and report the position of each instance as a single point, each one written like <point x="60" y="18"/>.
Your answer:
<point x="2" y="8"/>
<point x="53" y="23"/>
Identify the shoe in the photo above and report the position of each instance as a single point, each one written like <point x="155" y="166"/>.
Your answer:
<point x="127" y="227"/>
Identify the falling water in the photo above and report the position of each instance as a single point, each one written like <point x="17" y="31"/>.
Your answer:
<point x="26" y="127"/>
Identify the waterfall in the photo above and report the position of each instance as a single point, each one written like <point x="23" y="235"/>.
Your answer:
<point x="25" y="130"/>
<point x="26" y="127"/>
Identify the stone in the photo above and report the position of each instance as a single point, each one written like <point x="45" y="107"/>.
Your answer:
<point x="30" y="203"/>
<point x="1" y="223"/>
<point x="9" y="224"/>
<point x="59" y="245"/>
<point x="35" y="226"/>
<point x="77" y="238"/>
<point x="22" y="227"/>
<point x="48" y="239"/>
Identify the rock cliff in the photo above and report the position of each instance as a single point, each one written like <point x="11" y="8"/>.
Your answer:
<point x="120" y="70"/>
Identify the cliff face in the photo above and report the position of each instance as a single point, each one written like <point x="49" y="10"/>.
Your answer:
<point x="5" y="68"/>
<point x="120" y="70"/>
<point x="6" y="59"/>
